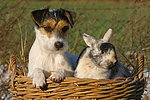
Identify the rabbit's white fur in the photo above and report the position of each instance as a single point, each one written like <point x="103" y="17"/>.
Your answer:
<point x="99" y="64"/>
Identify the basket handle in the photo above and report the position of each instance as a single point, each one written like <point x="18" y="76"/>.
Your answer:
<point x="139" y="68"/>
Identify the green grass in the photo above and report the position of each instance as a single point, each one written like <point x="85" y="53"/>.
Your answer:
<point x="129" y="21"/>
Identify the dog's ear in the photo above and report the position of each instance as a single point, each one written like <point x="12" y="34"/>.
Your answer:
<point x="89" y="40"/>
<point x="108" y="35"/>
<point x="38" y="16"/>
<point x="71" y="16"/>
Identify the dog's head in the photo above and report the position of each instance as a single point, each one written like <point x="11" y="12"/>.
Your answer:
<point x="101" y="52"/>
<point x="52" y="26"/>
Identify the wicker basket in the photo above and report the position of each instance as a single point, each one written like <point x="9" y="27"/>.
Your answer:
<point x="76" y="88"/>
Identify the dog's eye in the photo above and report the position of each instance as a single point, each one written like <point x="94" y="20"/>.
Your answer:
<point x="48" y="28"/>
<point x="65" y="28"/>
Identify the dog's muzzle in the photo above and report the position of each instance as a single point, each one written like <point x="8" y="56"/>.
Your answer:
<point x="58" y="45"/>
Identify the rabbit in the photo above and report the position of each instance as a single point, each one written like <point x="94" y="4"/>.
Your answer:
<point x="99" y="60"/>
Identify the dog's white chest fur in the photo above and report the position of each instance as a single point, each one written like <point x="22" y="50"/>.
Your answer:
<point x="47" y="62"/>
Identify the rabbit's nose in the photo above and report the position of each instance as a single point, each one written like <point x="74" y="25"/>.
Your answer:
<point x="112" y="64"/>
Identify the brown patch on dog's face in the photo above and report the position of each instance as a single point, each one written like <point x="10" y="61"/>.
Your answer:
<point x="51" y="23"/>
<point x="61" y="28"/>
<point x="63" y="25"/>
<point x="42" y="30"/>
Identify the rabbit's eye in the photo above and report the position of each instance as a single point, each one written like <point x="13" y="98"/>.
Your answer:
<point x="105" y="47"/>
<point x="102" y="52"/>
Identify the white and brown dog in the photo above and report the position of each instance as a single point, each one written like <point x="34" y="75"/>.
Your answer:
<point x="99" y="59"/>
<point x="48" y="56"/>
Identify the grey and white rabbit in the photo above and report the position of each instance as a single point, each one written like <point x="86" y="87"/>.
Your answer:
<point x="99" y="60"/>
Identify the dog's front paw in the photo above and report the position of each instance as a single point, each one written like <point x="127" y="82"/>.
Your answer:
<point x="38" y="79"/>
<point x="58" y="76"/>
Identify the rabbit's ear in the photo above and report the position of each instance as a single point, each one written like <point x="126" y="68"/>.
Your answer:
<point x="89" y="40"/>
<point x="108" y="35"/>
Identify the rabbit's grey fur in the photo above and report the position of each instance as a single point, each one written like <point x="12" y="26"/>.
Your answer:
<point x="99" y="60"/>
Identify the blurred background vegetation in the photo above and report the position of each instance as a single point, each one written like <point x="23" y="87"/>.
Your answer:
<point x="129" y="19"/>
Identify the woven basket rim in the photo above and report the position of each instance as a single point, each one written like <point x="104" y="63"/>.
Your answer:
<point x="82" y="88"/>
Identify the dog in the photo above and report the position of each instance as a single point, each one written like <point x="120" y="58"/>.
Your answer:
<point x="48" y="56"/>
<point x="99" y="60"/>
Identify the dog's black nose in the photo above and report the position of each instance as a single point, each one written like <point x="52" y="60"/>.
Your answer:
<point x="58" y="45"/>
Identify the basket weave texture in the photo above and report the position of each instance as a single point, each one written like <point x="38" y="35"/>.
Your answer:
<point x="81" y="88"/>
